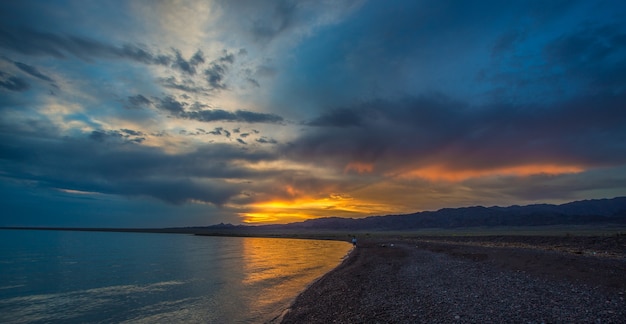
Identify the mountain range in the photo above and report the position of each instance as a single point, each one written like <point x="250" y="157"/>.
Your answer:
<point x="585" y="212"/>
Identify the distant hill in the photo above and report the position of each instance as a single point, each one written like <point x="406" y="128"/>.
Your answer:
<point x="585" y="212"/>
<point x="598" y="211"/>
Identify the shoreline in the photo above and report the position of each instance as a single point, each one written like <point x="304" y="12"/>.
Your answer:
<point x="279" y="318"/>
<point x="443" y="280"/>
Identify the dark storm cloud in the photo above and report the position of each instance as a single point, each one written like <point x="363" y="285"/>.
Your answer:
<point x="32" y="71"/>
<point x="556" y="72"/>
<point x="116" y="168"/>
<point x="13" y="83"/>
<point x="435" y="130"/>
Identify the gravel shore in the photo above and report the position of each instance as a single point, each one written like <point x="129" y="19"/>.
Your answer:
<point x="443" y="281"/>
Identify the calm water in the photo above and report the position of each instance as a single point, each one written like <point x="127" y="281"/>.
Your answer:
<point x="63" y="276"/>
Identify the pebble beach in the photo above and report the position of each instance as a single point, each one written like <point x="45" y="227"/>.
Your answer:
<point x="493" y="280"/>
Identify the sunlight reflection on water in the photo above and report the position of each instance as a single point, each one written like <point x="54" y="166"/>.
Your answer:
<point x="154" y="278"/>
<point x="280" y="268"/>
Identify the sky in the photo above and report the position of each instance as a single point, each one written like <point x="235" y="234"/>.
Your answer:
<point x="191" y="113"/>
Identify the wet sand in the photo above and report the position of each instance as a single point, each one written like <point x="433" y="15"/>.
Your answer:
<point x="472" y="279"/>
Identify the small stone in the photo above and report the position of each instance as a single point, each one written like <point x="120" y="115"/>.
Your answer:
<point x="456" y="317"/>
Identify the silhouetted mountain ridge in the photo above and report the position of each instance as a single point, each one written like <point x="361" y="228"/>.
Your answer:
<point x="597" y="211"/>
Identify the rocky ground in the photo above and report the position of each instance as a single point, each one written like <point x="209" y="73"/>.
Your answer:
<point x="472" y="280"/>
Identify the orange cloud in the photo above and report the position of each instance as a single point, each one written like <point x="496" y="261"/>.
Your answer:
<point x="359" y="167"/>
<point x="439" y="173"/>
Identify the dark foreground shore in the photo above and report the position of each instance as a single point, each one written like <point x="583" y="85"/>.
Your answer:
<point x="472" y="280"/>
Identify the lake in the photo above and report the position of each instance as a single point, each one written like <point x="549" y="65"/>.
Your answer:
<point x="69" y="276"/>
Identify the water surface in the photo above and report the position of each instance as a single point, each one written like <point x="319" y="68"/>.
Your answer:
<point x="61" y="276"/>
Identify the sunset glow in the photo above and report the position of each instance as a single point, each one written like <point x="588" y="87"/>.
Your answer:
<point x="302" y="209"/>
<point x="187" y="113"/>
<point x="436" y="173"/>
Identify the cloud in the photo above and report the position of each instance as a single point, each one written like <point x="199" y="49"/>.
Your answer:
<point x="32" y="71"/>
<point x="217" y="131"/>
<point x="112" y="167"/>
<point x="186" y="85"/>
<point x="593" y="53"/>
<point x="216" y="72"/>
<point x="265" y="140"/>
<point x="585" y="59"/>
<point x="420" y="132"/>
<point x="171" y="105"/>
<point x="338" y="118"/>
<point x="399" y="107"/>
<point x="138" y="101"/>
<point x="31" y="42"/>
<point x="13" y="83"/>
<point x="132" y="132"/>
<point x="268" y="22"/>
<point x="197" y="58"/>
<point x="178" y="191"/>
<point x="255" y="117"/>
<point x="507" y="41"/>
<point x="281" y="19"/>
<point x="210" y="115"/>
<point x="253" y="82"/>
<point x="188" y="66"/>
<point x="123" y="135"/>
<point x="178" y="109"/>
